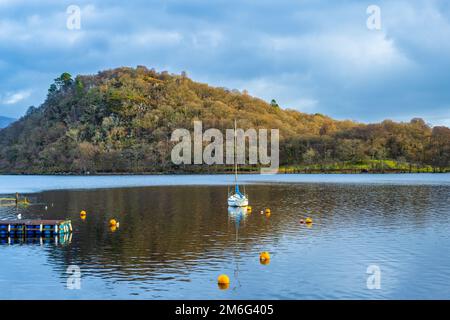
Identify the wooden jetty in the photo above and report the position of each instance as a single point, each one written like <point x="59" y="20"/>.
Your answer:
<point x="34" y="228"/>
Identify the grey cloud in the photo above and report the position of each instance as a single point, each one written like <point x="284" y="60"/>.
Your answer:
<point x="310" y="55"/>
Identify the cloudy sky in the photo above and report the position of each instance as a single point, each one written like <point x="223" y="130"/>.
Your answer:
<point x="310" y="55"/>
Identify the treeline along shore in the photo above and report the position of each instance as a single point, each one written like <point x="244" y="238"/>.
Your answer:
<point x="121" y="120"/>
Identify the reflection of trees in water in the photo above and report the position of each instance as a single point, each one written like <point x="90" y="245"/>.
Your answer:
<point x="168" y="230"/>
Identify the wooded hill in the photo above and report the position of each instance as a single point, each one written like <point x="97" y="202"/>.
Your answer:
<point x="121" y="120"/>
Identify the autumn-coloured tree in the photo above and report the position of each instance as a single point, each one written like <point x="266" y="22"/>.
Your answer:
<point x="121" y="120"/>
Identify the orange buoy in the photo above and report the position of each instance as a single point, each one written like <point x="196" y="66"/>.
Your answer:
<point x="264" y="256"/>
<point x="264" y="262"/>
<point x="223" y="282"/>
<point x="223" y="286"/>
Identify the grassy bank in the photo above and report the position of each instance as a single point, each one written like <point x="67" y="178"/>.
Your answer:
<point x="368" y="166"/>
<point x="372" y="166"/>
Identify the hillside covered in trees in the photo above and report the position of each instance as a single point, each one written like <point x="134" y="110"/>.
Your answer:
<point x="121" y="120"/>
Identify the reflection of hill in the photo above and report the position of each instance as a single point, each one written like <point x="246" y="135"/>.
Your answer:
<point x="165" y="229"/>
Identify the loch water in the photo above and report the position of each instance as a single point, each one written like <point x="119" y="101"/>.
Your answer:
<point x="177" y="235"/>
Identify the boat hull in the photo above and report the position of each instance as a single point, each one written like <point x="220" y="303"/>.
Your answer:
<point x="234" y="201"/>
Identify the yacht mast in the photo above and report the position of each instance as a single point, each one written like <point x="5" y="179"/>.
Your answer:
<point x="235" y="151"/>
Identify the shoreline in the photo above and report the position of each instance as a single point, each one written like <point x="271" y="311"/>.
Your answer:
<point x="281" y="171"/>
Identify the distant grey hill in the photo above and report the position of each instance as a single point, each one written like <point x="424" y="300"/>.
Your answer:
<point x="5" y="121"/>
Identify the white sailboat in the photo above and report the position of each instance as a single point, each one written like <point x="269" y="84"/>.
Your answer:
<point x="236" y="198"/>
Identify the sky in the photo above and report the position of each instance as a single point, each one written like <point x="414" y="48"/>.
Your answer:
<point x="311" y="55"/>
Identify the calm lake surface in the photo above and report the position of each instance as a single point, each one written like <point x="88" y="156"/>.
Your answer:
<point x="177" y="235"/>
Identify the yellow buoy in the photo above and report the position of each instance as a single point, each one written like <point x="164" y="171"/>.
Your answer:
<point x="264" y="257"/>
<point x="308" y="220"/>
<point x="249" y="209"/>
<point x="83" y="214"/>
<point x="268" y="214"/>
<point x="113" y="223"/>
<point x="264" y="262"/>
<point x="223" y="286"/>
<point x="223" y="278"/>
<point x="267" y="210"/>
<point x="223" y="281"/>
